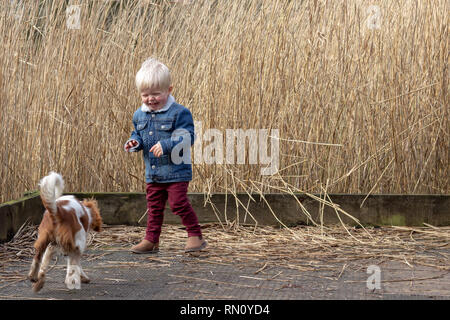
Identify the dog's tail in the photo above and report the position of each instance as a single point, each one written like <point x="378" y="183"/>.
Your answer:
<point x="51" y="188"/>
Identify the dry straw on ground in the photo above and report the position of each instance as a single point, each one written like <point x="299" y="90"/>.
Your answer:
<point x="299" y="248"/>
<point x="360" y="109"/>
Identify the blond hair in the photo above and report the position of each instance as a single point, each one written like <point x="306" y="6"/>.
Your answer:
<point x="153" y="74"/>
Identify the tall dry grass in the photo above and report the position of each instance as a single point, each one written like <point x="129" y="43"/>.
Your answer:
<point x="312" y="69"/>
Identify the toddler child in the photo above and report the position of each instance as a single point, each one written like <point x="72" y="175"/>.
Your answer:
<point x="161" y="127"/>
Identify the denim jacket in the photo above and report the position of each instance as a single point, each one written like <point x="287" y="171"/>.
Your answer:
<point x="173" y="127"/>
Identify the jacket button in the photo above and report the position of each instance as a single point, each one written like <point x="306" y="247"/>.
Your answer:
<point x="153" y="167"/>
<point x="150" y="133"/>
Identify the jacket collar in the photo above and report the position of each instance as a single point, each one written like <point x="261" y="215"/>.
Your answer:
<point x="166" y="107"/>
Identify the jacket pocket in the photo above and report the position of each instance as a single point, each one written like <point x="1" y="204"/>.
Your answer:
<point x="141" y="125"/>
<point x="164" y="125"/>
<point x="164" y="129"/>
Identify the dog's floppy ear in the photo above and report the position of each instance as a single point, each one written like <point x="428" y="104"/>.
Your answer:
<point x="96" y="224"/>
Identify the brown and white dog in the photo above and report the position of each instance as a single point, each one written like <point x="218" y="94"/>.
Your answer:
<point x="65" y="226"/>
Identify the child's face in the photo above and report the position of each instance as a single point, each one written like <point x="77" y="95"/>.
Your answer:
<point x="155" y="98"/>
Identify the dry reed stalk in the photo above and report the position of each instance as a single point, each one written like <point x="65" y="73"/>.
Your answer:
<point x="313" y="70"/>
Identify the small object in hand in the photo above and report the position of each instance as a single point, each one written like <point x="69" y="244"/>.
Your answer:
<point x="131" y="144"/>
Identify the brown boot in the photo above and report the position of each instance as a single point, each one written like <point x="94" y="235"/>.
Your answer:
<point x="145" y="246"/>
<point x="195" y="244"/>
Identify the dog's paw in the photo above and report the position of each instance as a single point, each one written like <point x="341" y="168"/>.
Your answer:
<point x="85" y="279"/>
<point x="33" y="274"/>
<point x="32" y="278"/>
<point x="39" y="284"/>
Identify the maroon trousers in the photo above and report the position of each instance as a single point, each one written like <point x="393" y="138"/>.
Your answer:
<point x="176" y="193"/>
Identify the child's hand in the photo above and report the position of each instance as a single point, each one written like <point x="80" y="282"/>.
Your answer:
<point x="157" y="150"/>
<point x="131" y="144"/>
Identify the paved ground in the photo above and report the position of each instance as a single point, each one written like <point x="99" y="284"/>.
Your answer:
<point x="117" y="274"/>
